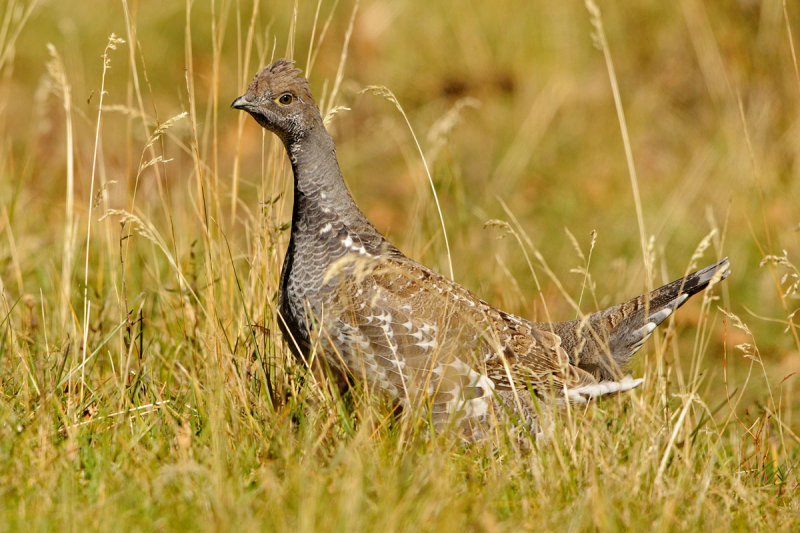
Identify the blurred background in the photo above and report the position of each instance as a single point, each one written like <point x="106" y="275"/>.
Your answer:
<point x="142" y="227"/>
<point x="512" y="105"/>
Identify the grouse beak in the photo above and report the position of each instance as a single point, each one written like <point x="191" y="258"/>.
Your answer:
<point x="241" y="103"/>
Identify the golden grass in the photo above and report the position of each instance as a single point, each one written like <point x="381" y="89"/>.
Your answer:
<point x="143" y="381"/>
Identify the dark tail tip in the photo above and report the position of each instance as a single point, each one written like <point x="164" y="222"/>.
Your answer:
<point x="697" y="281"/>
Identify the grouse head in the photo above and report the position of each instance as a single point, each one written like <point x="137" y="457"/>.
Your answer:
<point x="279" y="98"/>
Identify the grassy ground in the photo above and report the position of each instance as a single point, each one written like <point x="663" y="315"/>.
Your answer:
<point x="143" y="381"/>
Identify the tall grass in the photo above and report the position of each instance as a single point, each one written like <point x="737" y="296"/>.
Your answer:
<point x="144" y="383"/>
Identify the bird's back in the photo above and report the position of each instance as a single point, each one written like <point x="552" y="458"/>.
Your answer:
<point x="431" y="344"/>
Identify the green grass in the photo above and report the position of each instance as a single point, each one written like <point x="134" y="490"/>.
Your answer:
<point x="143" y="381"/>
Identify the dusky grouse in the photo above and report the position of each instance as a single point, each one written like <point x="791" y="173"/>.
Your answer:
<point x="410" y="333"/>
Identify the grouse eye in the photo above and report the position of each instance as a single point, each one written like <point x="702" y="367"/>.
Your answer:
<point x="285" y="99"/>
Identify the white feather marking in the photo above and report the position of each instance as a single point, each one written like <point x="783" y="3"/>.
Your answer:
<point x="644" y="331"/>
<point x="326" y="228"/>
<point x="659" y="317"/>
<point x="432" y="344"/>
<point x="425" y="331"/>
<point x="588" y="392"/>
<point x="475" y="407"/>
<point x="387" y="329"/>
<point x="347" y="242"/>
<point x="478" y="407"/>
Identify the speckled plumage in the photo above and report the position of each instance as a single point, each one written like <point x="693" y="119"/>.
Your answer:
<point x="405" y="330"/>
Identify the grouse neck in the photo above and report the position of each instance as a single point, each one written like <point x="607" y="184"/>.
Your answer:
<point x="318" y="182"/>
